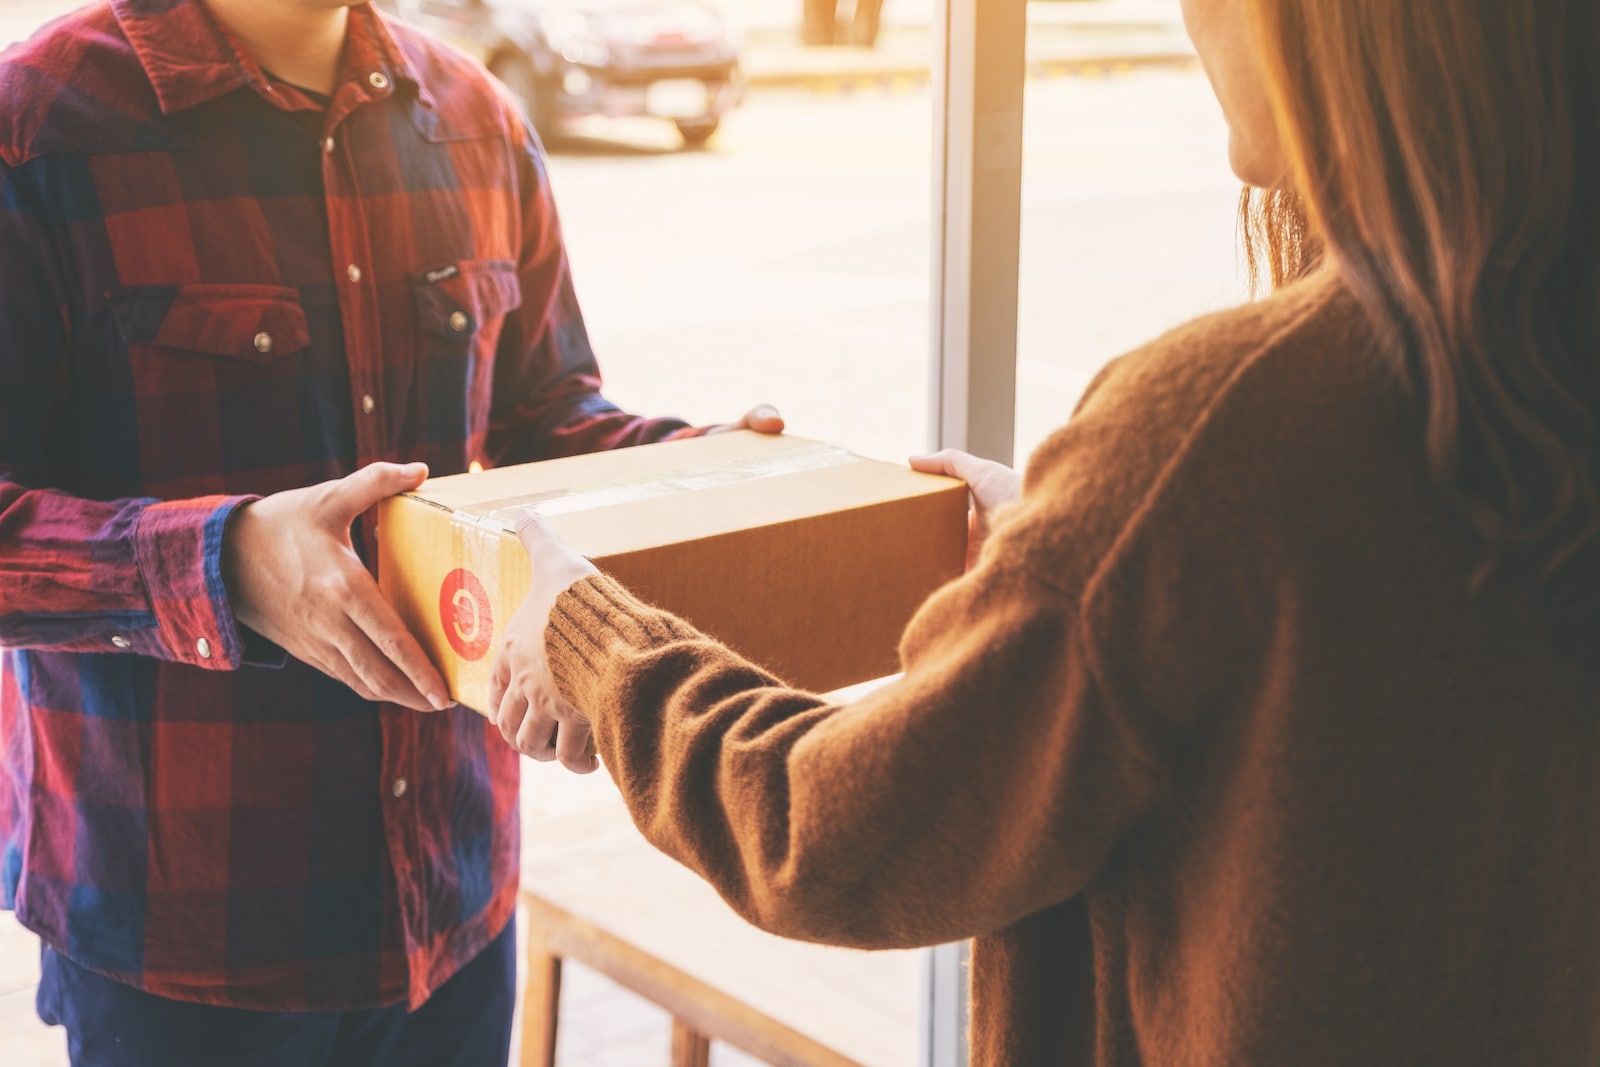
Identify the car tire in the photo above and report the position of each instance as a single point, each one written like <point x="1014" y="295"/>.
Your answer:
<point x="538" y="99"/>
<point x="697" y="132"/>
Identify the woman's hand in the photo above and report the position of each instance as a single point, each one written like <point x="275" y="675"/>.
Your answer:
<point x="993" y="485"/>
<point x="523" y="699"/>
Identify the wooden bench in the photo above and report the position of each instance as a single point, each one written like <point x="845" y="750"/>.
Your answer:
<point x="594" y="891"/>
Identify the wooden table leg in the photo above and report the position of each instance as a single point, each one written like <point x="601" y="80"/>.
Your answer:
<point x="541" y="1002"/>
<point x="690" y="1048"/>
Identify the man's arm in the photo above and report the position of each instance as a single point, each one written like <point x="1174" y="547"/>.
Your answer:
<point x="135" y="575"/>
<point x="171" y="580"/>
<point x="547" y="399"/>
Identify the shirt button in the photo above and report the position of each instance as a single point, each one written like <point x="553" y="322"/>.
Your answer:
<point x="327" y="145"/>
<point x="263" y="342"/>
<point x="458" y="321"/>
<point x="203" y="647"/>
<point x="121" y="642"/>
<point x="378" y="79"/>
<point x="368" y="404"/>
<point x="354" y="272"/>
<point x="399" y="787"/>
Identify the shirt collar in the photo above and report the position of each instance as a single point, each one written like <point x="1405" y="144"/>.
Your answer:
<point x="191" y="59"/>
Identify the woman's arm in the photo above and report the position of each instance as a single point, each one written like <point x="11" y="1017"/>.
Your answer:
<point x="992" y="780"/>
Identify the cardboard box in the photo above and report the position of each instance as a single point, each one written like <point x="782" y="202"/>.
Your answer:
<point x="808" y="559"/>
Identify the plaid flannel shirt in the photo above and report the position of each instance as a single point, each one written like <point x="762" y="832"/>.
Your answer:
<point x="212" y="287"/>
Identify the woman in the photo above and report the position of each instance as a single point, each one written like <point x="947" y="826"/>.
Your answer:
<point x="1266" y="728"/>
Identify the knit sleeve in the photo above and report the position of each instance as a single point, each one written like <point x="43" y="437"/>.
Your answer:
<point x="992" y="780"/>
<point x="1047" y="696"/>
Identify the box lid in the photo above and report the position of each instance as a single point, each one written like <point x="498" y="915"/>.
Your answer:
<point x="628" y="500"/>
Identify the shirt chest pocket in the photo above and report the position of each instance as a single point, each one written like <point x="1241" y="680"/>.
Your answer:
<point x="461" y="303"/>
<point x="220" y="381"/>
<point x="182" y="326"/>
<point x="460" y="316"/>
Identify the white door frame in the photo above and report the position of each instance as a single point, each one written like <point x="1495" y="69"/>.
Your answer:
<point x="979" y="72"/>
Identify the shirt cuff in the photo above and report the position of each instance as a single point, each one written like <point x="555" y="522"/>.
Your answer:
<point x="179" y="548"/>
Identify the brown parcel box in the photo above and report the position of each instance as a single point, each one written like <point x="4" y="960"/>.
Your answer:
<point x="806" y="558"/>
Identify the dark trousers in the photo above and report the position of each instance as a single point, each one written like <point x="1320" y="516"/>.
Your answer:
<point x="466" y="1023"/>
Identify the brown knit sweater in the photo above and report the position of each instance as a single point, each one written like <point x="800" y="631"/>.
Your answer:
<point x="1213" y="753"/>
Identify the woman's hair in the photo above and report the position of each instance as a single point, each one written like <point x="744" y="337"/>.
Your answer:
<point x="1444" y="155"/>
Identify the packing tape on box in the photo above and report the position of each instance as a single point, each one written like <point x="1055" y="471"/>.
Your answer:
<point x="485" y="524"/>
<point x="501" y="515"/>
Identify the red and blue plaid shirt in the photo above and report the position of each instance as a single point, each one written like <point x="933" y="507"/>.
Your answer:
<point x="212" y="286"/>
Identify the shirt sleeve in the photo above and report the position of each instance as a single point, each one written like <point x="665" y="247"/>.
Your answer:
<point x="991" y="781"/>
<point x="134" y="576"/>
<point x="547" y="399"/>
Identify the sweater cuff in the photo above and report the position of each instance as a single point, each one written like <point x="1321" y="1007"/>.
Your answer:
<point x="593" y="621"/>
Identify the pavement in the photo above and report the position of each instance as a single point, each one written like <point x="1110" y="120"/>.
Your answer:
<point x="1066" y="38"/>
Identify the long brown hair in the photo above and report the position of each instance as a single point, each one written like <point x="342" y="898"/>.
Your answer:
<point x="1444" y="156"/>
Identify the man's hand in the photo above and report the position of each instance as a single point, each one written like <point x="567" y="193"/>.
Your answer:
<point x="529" y="711"/>
<point x="294" y="578"/>
<point x="992" y="485"/>
<point x="763" y="418"/>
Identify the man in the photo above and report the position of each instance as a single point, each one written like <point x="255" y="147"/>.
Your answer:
<point x="249" y="249"/>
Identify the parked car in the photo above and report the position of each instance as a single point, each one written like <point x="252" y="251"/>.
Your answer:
<point x="564" y="59"/>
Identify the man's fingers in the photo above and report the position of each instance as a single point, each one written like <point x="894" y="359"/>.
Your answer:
<point x="345" y="673"/>
<point x="572" y="745"/>
<point x="763" y="418"/>
<point x="375" y="482"/>
<point x="377" y="670"/>
<point x="389" y="636"/>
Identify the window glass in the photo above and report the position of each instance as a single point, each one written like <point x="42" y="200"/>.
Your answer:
<point x="1129" y="211"/>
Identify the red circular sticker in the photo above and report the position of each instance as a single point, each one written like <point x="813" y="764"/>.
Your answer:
<point x="464" y="611"/>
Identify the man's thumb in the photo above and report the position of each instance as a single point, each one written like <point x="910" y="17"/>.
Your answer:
<point x="376" y="482"/>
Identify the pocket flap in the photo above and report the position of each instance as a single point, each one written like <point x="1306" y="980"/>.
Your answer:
<point x="455" y="301"/>
<point x="254" y="322"/>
